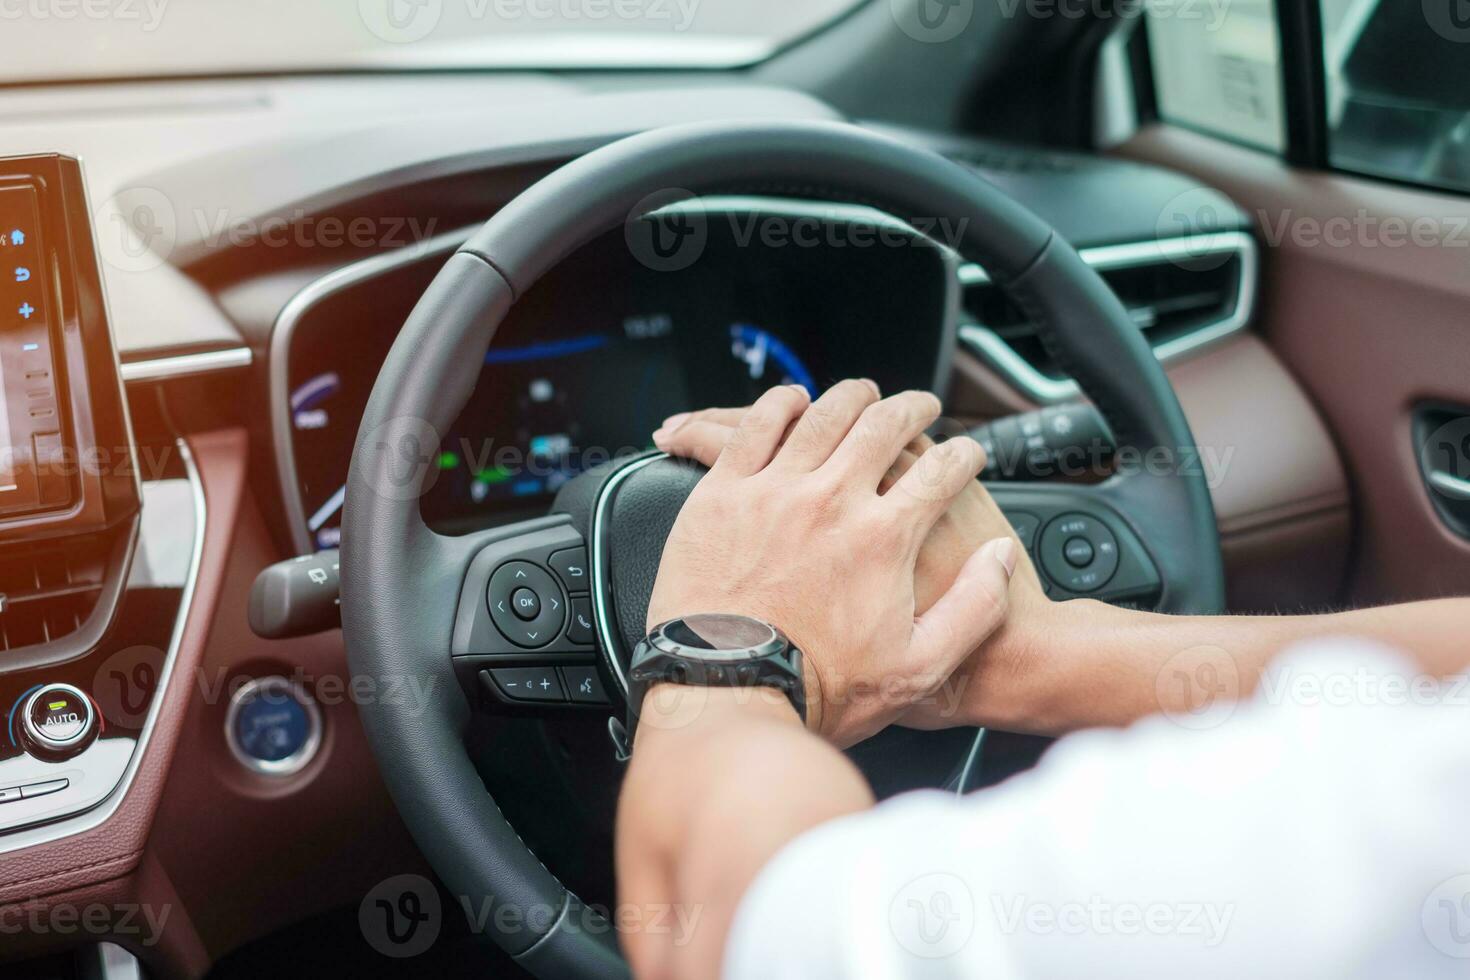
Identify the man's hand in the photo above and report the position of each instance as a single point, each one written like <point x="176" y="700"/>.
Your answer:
<point x="971" y="519"/>
<point x="790" y="527"/>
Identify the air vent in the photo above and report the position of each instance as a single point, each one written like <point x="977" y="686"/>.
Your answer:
<point x="1181" y="293"/>
<point x="48" y="591"/>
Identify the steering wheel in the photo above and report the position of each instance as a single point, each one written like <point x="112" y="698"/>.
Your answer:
<point x="421" y="606"/>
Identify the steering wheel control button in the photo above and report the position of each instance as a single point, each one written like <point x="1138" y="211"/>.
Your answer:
<point x="528" y="683"/>
<point x="273" y="726"/>
<point x="58" y="720"/>
<point x="526" y="605"/>
<point x="571" y="566"/>
<point x="1078" y="552"/>
<point x="583" y="685"/>
<point x="579" y="630"/>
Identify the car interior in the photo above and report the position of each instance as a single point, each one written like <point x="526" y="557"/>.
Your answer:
<point x="332" y="339"/>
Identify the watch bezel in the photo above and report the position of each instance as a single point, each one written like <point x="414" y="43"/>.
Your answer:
<point x="660" y="640"/>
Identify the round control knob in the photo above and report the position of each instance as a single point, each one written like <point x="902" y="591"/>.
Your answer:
<point x="58" y="721"/>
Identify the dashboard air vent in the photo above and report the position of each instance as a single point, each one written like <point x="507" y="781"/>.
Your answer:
<point x="47" y="591"/>
<point x="1181" y="293"/>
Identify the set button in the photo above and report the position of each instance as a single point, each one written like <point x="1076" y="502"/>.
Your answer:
<point x="526" y="604"/>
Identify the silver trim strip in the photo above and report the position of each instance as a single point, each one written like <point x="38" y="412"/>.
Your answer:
<point x="279" y="379"/>
<point x="1449" y="485"/>
<point x="100" y="814"/>
<point x="159" y="368"/>
<point x="1038" y="387"/>
<point x="601" y="615"/>
<point x="298" y="760"/>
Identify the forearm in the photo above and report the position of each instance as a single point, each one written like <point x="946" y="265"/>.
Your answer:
<point x="705" y="805"/>
<point x="1093" y="664"/>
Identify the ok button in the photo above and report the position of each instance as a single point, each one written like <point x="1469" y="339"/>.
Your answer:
<point x="525" y="604"/>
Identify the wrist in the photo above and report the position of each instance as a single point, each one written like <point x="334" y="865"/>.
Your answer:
<point x="671" y="709"/>
<point x="1045" y="671"/>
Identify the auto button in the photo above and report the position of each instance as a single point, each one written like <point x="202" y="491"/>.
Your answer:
<point x="58" y="721"/>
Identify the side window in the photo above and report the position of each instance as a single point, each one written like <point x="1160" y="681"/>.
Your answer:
<point x="1217" y="67"/>
<point x="1398" y="88"/>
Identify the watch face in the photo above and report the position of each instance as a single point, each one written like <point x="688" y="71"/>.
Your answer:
<point x="717" y="635"/>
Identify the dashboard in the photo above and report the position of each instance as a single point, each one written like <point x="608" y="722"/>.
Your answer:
<point x="611" y="342"/>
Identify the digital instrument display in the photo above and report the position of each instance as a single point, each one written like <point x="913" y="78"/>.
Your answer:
<point x="594" y="357"/>
<point x="30" y="427"/>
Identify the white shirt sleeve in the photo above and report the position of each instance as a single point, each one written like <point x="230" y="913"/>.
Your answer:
<point x="1319" y="831"/>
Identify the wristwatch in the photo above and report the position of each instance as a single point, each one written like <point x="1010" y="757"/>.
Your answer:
<point x="715" y="650"/>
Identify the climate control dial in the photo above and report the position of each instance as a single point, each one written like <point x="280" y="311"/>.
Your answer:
<point x="58" y="721"/>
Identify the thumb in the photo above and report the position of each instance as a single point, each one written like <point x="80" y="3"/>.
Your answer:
<point x="972" y="609"/>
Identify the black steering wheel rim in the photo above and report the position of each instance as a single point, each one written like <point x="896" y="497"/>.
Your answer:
<point x="401" y="581"/>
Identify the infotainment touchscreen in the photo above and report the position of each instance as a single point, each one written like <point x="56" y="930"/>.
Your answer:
<point x="30" y="429"/>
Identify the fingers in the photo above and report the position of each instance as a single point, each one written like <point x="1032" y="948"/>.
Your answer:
<point x="943" y="472"/>
<point x="760" y="431"/>
<point x="695" y="439"/>
<point x="880" y="434"/>
<point x="972" y="608"/>
<point x="824" y="425"/>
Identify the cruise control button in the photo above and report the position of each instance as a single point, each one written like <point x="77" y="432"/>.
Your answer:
<point x="525" y="604"/>
<point x="580" y="629"/>
<point x="584" y="686"/>
<point x="506" y="596"/>
<point x="1078" y="552"/>
<point x="528" y="683"/>
<point x="1025" y="526"/>
<point x="571" y="565"/>
<point x="1067" y="541"/>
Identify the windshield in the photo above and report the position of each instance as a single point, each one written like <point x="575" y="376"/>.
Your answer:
<point x="72" y="39"/>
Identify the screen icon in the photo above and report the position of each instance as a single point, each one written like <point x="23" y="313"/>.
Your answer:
<point x="26" y="310"/>
<point x="22" y="274"/>
<point x="17" y="237"/>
